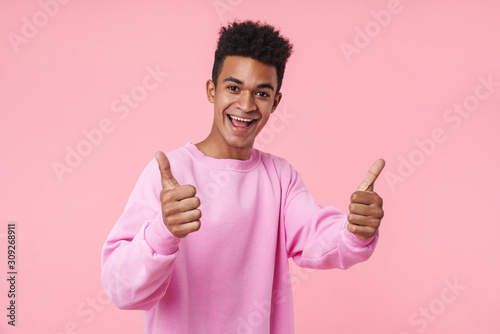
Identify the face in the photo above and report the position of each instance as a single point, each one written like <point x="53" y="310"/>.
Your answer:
<point x="244" y="99"/>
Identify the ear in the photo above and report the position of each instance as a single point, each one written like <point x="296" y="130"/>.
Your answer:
<point x="277" y="100"/>
<point x="210" y="91"/>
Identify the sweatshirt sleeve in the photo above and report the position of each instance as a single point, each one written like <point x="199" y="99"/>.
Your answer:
<point x="317" y="235"/>
<point x="139" y="253"/>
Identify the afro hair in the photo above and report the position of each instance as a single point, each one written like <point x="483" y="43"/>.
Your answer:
<point x="256" y="40"/>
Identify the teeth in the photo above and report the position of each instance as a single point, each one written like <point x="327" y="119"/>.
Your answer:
<point x="241" y="119"/>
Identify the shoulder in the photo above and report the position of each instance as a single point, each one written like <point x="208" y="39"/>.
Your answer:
<point x="291" y="183"/>
<point x="267" y="157"/>
<point x="286" y="172"/>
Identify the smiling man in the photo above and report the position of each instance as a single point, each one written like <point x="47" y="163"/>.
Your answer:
<point x="204" y="241"/>
<point x="244" y="98"/>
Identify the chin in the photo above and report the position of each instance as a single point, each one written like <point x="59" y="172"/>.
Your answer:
<point x="239" y="143"/>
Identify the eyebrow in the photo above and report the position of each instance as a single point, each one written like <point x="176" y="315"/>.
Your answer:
<point x="239" y="82"/>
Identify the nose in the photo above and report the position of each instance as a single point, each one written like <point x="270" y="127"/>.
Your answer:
<point x="246" y="101"/>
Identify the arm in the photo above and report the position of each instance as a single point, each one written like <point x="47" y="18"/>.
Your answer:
<point x="139" y="254"/>
<point x="137" y="258"/>
<point x="318" y="236"/>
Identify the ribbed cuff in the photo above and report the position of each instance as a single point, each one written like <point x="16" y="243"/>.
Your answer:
<point x="159" y="237"/>
<point x="354" y="241"/>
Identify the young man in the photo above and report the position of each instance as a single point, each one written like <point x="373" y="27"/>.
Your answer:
<point x="204" y="241"/>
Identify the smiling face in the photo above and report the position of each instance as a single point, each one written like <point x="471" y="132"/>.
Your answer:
<point x="244" y="99"/>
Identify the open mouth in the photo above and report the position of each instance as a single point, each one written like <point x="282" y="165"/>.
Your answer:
<point x="240" y="122"/>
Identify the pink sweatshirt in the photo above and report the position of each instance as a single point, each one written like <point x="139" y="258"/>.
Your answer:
<point x="232" y="275"/>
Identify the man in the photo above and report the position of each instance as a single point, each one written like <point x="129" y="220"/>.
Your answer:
<point x="204" y="241"/>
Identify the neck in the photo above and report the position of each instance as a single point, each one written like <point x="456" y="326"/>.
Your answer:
<point x="215" y="146"/>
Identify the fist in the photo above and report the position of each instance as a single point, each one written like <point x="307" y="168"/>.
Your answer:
<point x="179" y="205"/>
<point x="365" y="209"/>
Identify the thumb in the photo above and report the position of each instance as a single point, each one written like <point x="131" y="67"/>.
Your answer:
<point x="167" y="179"/>
<point x="373" y="173"/>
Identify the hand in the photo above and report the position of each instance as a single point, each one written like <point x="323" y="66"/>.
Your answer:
<point x="178" y="203"/>
<point x="366" y="205"/>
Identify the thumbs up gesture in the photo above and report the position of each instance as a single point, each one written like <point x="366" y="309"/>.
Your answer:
<point x="365" y="209"/>
<point x="179" y="206"/>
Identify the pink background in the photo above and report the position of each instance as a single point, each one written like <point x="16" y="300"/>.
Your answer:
<point x="440" y="196"/>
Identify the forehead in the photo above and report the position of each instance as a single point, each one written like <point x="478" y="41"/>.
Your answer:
<point x="248" y="70"/>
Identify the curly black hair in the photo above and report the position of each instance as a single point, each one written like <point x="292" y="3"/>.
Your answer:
<point x="256" y="40"/>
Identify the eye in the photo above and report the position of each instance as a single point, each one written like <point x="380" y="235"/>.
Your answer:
<point x="233" y="88"/>
<point x="263" y="94"/>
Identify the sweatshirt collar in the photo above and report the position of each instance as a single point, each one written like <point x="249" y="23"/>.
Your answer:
<point x="224" y="164"/>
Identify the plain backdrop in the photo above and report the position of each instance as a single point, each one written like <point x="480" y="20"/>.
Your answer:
<point x="414" y="82"/>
